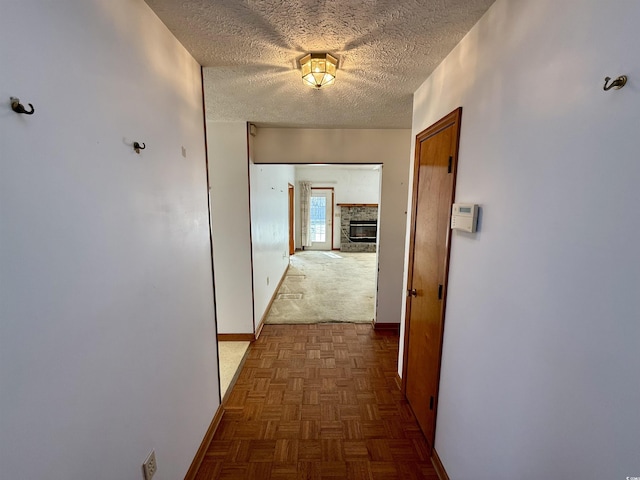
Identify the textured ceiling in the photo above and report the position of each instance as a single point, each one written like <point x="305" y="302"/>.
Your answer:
<point x="250" y="48"/>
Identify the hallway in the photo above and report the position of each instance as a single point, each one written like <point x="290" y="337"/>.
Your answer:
<point x="318" y="402"/>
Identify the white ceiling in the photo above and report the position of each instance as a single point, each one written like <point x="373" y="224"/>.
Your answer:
<point x="250" y="48"/>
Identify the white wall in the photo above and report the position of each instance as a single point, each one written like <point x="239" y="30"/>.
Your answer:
<point x="107" y="333"/>
<point x="269" y="230"/>
<point x="388" y="147"/>
<point x="230" y="224"/>
<point x="350" y="185"/>
<point x="540" y="362"/>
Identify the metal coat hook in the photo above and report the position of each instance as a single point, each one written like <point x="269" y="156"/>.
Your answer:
<point x="618" y="83"/>
<point x="17" y="107"/>
<point x="137" y="147"/>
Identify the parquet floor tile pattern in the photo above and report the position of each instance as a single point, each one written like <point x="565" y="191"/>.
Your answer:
<point x="318" y="402"/>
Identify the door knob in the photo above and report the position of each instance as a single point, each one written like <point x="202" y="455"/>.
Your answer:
<point x="412" y="293"/>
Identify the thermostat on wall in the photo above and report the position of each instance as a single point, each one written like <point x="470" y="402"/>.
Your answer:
<point x="464" y="217"/>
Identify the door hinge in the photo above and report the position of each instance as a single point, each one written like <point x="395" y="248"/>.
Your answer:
<point x="431" y="403"/>
<point x="450" y="164"/>
<point x="440" y="292"/>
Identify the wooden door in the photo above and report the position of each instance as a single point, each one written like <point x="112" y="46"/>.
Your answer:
<point x="292" y="245"/>
<point x="433" y="192"/>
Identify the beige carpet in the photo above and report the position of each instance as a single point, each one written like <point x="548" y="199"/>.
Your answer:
<point x="326" y="287"/>
<point x="231" y="355"/>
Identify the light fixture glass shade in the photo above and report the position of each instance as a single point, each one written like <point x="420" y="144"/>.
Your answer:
<point x="318" y="69"/>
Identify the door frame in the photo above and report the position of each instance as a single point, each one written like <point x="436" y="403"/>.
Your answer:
<point x="291" y="198"/>
<point x="453" y="118"/>
<point x="333" y="199"/>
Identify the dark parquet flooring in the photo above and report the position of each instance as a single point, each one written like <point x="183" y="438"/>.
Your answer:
<point x="318" y="402"/>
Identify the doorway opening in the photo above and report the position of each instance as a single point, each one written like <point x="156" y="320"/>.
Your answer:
<point x="324" y="280"/>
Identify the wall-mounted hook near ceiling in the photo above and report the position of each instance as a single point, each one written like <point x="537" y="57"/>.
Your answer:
<point x="618" y="83"/>
<point x="137" y="146"/>
<point x="17" y="107"/>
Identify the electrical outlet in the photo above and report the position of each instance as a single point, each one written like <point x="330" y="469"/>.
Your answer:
<point x="150" y="466"/>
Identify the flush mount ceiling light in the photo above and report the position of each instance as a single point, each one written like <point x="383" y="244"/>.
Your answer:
<point x="318" y="69"/>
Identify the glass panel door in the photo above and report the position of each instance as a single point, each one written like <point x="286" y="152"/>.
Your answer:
<point x="321" y="221"/>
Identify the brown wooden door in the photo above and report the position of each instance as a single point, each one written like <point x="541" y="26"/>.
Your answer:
<point x="292" y="245"/>
<point x="433" y="191"/>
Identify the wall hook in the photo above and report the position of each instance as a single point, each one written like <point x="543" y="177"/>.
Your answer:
<point x="618" y="83"/>
<point x="137" y="147"/>
<point x="17" y="107"/>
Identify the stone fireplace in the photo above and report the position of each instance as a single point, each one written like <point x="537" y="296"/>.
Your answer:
<point x="358" y="227"/>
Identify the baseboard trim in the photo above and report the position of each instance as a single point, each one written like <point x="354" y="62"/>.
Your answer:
<point x="437" y="465"/>
<point x="399" y="382"/>
<point x="260" y="327"/>
<point x="273" y="298"/>
<point x="204" y="446"/>
<point x="236" y="337"/>
<point x="386" y="326"/>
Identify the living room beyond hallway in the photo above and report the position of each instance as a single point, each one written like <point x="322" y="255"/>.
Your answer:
<point x="324" y="287"/>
